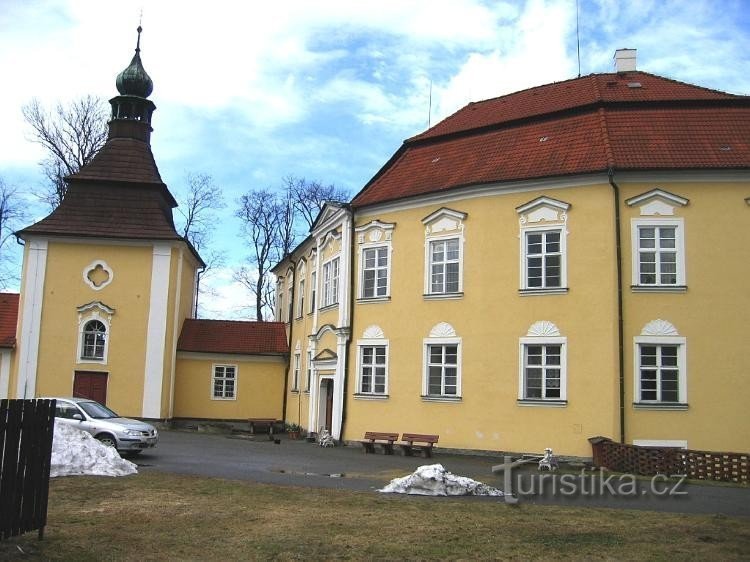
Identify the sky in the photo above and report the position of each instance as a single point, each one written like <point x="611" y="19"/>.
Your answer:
<point x="252" y="92"/>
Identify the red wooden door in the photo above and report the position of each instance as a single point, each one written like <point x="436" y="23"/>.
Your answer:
<point x="92" y="385"/>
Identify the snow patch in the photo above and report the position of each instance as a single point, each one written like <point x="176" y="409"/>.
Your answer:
<point x="434" y="480"/>
<point x="75" y="452"/>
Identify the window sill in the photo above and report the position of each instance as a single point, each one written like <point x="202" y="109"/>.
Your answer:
<point x="449" y="399"/>
<point x="678" y="406"/>
<point x="542" y="403"/>
<point x="328" y="307"/>
<point x="442" y="296"/>
<point x="92" y="360"/>
<point x="373" y="300"/>
<point x="360" y="396"/>
<point x="658" y="288"/>
<point x="223" y="399"/>
<point x="544" y="291"/>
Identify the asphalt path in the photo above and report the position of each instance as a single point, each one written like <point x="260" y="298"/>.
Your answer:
<point x="299" y="463"/>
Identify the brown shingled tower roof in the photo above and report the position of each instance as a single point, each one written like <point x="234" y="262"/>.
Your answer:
<point x="625" y="121"/>
<point x="8" y="319"/>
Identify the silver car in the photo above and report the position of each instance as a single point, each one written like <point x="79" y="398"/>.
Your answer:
<point x="125" y="434"/>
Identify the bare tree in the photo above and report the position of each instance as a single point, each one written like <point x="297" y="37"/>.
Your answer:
<point x="259" y="212"/>
<point x="12" y="214"/>
<point x="309" y="197"/>
<point x="201" y="199"/>
<point x="275" y="221"/>
<point x="71" y="134"/>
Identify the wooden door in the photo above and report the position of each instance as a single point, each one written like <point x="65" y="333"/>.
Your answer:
<point x="329" y="404"/>
<point x="91" y="385"/>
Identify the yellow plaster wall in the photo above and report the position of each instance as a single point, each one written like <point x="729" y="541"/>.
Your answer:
<point x="260" y="387"/>
<point x="128" y="294"/>
<point x="712" y="314"/>
<point x="490" y="319"/>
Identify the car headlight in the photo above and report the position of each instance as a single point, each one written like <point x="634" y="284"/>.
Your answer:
<point x="133" y="432"/>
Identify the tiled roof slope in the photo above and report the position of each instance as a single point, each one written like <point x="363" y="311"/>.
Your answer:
<point x="109" y="211"/>
<point x="232" y="336"/>
<point x="8" y="319"/>
<point x="626" y="121"/>
<point x="124" y="160"/>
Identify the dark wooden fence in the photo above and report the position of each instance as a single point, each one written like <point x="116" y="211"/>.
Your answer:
<point x="26" y="429"/>
<point x="700" y="465"/>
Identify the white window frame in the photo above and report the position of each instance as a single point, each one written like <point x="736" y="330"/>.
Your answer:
<point x="373" y="344"/>
<point x="97" y="334"/>
<point x="214" y="378"/>
<point x="540" y="215"/>
<point x="525" y="256"/>
<point x="296" y="372"/>
<point x="87" y="313"/>
<point x="657" y="333"/>
<point x="313" y="291"/>
<point x="442" y="334"/>
<point x="441" y="226"/>
<point x="331" y="281"/>
<point x="679" y="225"/>
<point x="429" y="290"/>
<point x="543" y="333"/>
<point x="308" y="370"/>
<point x="364" y="248"/>
<point x="301" y="298"/>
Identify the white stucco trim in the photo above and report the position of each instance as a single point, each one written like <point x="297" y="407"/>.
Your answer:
<point x="31" y="317"/>
<point x="156" y="332"/>
<point x="5" y="373"/>
<point x="175" y="330"/>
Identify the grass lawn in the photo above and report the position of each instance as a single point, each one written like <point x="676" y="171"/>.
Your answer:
<point x="156" y="516"/>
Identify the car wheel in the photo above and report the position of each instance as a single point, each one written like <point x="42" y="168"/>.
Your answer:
<point x="107" y="439"/>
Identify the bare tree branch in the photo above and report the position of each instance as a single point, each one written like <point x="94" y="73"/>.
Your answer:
<point x="309" y="197"/>
<point x="71" y="136"/>
<point x="12" y="214"/>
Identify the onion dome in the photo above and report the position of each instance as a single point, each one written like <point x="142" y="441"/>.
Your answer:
<point x="134" y="81"/>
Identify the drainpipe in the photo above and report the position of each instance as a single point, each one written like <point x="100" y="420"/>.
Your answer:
<point x="351" y="315"/>
<point x="620" y="334"/>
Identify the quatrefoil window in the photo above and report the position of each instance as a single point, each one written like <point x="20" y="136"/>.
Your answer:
<point x="97" y="275"/>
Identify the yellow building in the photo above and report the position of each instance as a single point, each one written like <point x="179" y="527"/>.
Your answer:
<point x="540" y="268"/>
<point x="108" y="296"/>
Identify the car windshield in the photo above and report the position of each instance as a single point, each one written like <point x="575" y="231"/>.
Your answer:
<point x="97" y="411"/>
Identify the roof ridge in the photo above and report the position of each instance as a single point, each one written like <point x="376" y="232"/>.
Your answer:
<point x="609" y="155"/>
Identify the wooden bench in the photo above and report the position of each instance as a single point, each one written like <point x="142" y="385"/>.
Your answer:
<point x="385" y="440"/>
<point x="266" y="425"/>
<point x="418" y="442"/>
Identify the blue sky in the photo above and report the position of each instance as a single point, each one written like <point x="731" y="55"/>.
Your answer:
<point x="250" y="92"/>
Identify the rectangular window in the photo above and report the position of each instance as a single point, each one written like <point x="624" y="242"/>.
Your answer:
<point x="375" y="272"/>
<point x="224" y="382"/>
<point x="331" y="282"/>
<point x="295" y="373"/>
<point x="659" y="373"/>
<point x="313" y="289"/>
<point x="301" y="301"/>
<point x="309" y="371"/>
<point x="543" y="251"/>
<point x="442" y="370"/>
<point x="372" y="374"/>
<point x="542" y="370"/>
<point x="657" y="255"/>
<point x="290" y="308"/>
<point x="445" y="266"/>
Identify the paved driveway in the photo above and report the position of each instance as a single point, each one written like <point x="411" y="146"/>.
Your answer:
<point x="299" y="463"/>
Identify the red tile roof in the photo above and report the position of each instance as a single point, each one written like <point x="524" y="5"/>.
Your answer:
<point x="232" y="336"/>
<point x="627" y="121"/>
<point x="8" y="319"/>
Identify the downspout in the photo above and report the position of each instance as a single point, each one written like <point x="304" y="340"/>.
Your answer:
<point x="351" y="315"/>
<point x="289" y="366"/>
<point x="620" y="323"/>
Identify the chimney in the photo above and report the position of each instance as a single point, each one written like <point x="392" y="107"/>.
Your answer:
<point x="624" y="60"/>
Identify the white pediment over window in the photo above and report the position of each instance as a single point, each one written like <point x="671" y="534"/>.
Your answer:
<point x="444" y="221"/>
<point x="374" y="231"/>
<point x="657" y="203"/>
<point x="95" y="311"/>
<point x="543" y="328"/>
<point x="442" y="330"/>
<point x="301" y="267"/>
<point x="659" y="328"/>
<point x="543" y="210"/>
<point x="329" y="238"/>
<point x="373" y="332"/>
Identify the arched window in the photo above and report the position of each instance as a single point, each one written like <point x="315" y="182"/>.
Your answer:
<point x="94" y="338"/>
